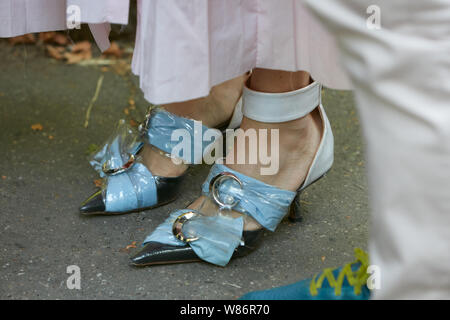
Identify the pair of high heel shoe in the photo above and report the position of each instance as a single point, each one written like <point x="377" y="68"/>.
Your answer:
<point x="214" y="232"/>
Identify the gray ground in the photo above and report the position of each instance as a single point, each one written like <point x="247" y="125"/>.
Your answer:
<point x="45" y="176"/>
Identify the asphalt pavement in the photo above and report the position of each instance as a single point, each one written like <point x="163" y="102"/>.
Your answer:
<point x="44" y="176"/>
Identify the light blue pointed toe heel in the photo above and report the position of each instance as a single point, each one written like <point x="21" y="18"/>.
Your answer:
<point x="128" y="185"/>
<point x="214" y="232"/>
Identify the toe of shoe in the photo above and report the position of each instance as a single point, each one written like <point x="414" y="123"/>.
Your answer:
<point x="159" y="253"/>
<point x="93" y="204"/>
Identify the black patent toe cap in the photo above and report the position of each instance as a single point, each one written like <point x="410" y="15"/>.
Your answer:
<point x="94" y="204"/>
<point x="159" y="253"/>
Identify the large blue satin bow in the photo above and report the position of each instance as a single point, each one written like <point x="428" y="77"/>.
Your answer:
<point x="135" y="187"/>
<point x="218" y="236"/>
<point x="265" y="203"/>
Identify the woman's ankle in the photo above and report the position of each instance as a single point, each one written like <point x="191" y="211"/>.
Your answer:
<point x="276" y="81"/>
<point x="215" y="109"/>
<point x="291" y="154"/>
<point x="159" y="164"/>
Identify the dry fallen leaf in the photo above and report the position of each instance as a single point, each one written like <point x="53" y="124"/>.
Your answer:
<point x="61" y="39"/>
<point x="132" y="245"/>
<point x="46" y="37"/>
<point x="81" y="46"/>
<point x="126" y="111"/>
<point x="113" y="50"/>
<point x="51" y="137"/>
<point x="24" y="39"/>
<point x="55" y="52"/>
<point x="98" y="182"/>
<point x="77" y="57"/>
<point x="133" y="123"/>
<point x="73" y="58"/>
<point x="37" y="127"/>
<point x="80" y="51"/>
<point x="53" y="37"/>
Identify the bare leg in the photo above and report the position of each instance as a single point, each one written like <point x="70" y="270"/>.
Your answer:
<point x="299" y="139"/>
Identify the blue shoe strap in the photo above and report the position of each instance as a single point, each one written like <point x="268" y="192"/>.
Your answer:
<point x="170" y="133"/>
<point x="122" y="143"/>
<point x="178" y="136"/>
<point x="264" y="203"/>
<point x="130" y="190"/>
<point x="218" y="236"/>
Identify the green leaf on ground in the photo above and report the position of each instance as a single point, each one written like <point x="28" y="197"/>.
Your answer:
<point x="92" y="148"/>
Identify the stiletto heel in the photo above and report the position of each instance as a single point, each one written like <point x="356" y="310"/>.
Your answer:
<point x="295" y="210"/>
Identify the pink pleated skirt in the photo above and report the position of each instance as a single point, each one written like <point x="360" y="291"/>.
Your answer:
<point x="184" y="47"/>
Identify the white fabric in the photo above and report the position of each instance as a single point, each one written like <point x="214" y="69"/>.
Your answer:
<point x="287" y="106"/>
<point x="401" y="75"/>
<point x="280" y="107"/>
<point x="323" y="160"/>
<point x="19" y="17"/>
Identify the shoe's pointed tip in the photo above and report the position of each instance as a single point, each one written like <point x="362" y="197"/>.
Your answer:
<point x="134" y="262"/>
<point x="139" y="258"/>
<point x="154" y="253"/>
<point x="93" y="204"/>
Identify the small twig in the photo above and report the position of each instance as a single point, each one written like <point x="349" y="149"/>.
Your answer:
<point x="94" y="98"/>
<point x="97" y="62"/>
<point x="232" y="284"/>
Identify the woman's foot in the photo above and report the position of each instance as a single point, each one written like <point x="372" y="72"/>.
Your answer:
<point x="298" y="143"/>
<point x="242" y="197"/>
<point x="214" y="111"/>
<point x="292" y="153"/>
<point x="155" y="179"/>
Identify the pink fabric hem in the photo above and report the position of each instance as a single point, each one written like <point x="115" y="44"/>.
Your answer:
<point x="185" y="47"/>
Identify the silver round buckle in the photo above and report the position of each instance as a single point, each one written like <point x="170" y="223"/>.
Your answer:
<point x="177" y="227"/>
<point x="214" y="190"/>
<point x="113" y="171"/>
<point x="143" y="127"/>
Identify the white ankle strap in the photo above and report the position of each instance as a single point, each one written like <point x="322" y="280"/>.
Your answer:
<point x="281" y="107"/>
